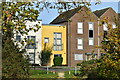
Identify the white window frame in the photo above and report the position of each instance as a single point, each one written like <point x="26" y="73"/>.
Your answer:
<point x="105" y="28"/>
<point x="92" y="41"/>
<point x="78" y="57"/>
<point x="80" y="27"/>
<point x="80" y="45"/>
<point x="113" y="25"/>
<point x="45" y="40"/>
<point x="91" y="28"/>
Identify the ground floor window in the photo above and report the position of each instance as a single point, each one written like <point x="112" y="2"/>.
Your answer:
<point x="78" y="56"/>
<point x="31" y="57"/>
<point x="57" y="55"/>
<point x="90" y="56"/>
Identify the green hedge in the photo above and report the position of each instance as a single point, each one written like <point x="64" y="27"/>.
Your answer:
<point x="58" y="61"/>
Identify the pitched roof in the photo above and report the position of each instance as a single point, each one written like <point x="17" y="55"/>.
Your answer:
<point x="100" y="12"/>
<point x="65" y="16"/>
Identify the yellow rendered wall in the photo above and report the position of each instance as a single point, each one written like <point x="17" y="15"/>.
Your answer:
<point x="48" y="31"/>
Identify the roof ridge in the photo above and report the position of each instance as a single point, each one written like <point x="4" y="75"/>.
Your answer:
<point x="101" y="11"/>
<point x="64" y="17"/>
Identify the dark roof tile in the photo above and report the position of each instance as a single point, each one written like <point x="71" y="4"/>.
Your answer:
<point x="99" y="13"/>
<point x="65" y="16"/>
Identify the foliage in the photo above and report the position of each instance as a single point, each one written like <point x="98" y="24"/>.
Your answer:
<point x="14" y="64"/>
<point x="87" y="67"/>
<point x="45" y="54"/>
<point x="108" y="66"/>
<point x="14" y="15"/>
<point x="58" y="61"/>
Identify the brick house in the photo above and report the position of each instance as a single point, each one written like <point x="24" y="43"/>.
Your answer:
<point x="83" y="32"/>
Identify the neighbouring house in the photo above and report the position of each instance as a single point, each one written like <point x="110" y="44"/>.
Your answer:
<point x="111" y="16"/>
<point x="55" y="36"/>
<point x="83" y="32"/>
<point x="33" y="44"/>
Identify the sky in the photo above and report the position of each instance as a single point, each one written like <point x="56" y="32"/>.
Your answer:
<point x="49" y="15"/>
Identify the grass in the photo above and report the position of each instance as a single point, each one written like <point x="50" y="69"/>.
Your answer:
<point x="43" y="74"/>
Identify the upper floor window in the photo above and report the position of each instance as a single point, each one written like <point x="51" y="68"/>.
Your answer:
<point x="114" y="25"/>
<point x="105" y="28"/>
<point x="57" y="41"/>
<point x="80" y="28"/>
<point x="80" y="43"/>
<point x="31" y="42"/>
<point x="18" y="38"/>
<point x="46" y="40"/>
<point x="91" y="33"/>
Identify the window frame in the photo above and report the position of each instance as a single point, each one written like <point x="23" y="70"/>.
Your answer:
<point x="80" y="44"/>
<point x="46" y="38"/>
<point x="78" y="55"/>
<point x="80" y="28"/>
<point x="19" y="38"/>
<point x="55" y="44"/>
<point x="34" y="44"/>
<point x="89" y="33"/>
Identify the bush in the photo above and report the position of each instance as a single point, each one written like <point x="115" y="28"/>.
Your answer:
<point x="58" y="61"/>
<point x="88" y="67"/>
<point x="45" y="55"/>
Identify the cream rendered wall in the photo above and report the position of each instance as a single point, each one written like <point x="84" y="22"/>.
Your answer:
<point x="38" y="40"/>
<point x="48" y="31"/>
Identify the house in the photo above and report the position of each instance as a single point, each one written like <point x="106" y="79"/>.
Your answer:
<point x="83" y="32"/>
<point x="111" y="16"/>
<point x="33" y="48"/>
<point x="55" y="36"/>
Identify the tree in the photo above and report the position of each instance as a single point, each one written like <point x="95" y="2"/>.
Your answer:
<point x="14" y="15"/>
<point x="45" y="54"/>
<point x="109" y="66"/>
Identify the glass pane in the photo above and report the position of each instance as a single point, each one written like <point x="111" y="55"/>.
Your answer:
<point x="80" y="31"/>
<point x="59" y="42"/>
<point x="80" y="41"/>
<point x="80" y="25"/>
<point x="91" y="33"/>
<point x="46" y="40"/>
<point x="59" y="35"/>
<point x="90" y="26"/>
<point x="18" y="38"/>
<point x="105" y="27"/>
<point x="78" y="56"/>
<point x="80" y="47"/>
<point x="91" y="42"/>
<point x="114" y="26"/>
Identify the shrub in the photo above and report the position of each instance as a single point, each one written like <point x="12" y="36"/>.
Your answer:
<point x="45" y="54"/>
<point x="58" y="61"/>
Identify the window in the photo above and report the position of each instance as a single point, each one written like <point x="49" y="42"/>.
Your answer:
<point x="114" y="25"/>
<point x="80" y="43"/>
<point x="105" y="27"/>
<point x="31" y="57"/>
<point x="57" y="41"/>
<point x="78" y="56"/>
<point x="32" y="42"/>
<point x="91" y="33"/>
<point x="105" y="34"/>
<point x="46" y="40"/>
<point x="80" y="28"/>
<point x="57" y="55"/>
<point x="91" y="41"/>
<point x="18" y="38"/>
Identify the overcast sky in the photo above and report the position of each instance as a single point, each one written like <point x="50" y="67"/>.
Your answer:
<point x="47" y="17"/>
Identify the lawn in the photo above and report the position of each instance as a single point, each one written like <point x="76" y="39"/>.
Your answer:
<point x="51" y="74"/>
